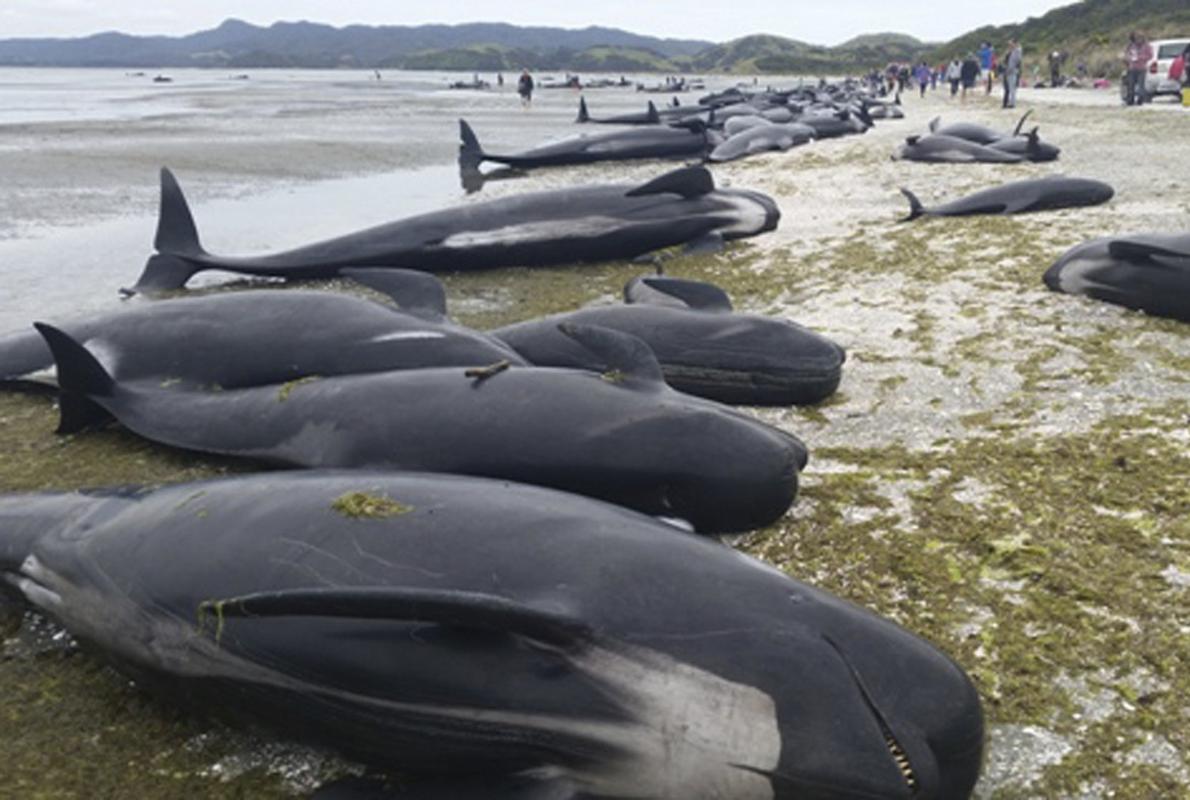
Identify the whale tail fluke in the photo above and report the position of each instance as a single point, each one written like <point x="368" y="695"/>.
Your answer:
<point x="583" y="116"/>
<point x="80" y="377"/>
<point x="916" y="209"/>
<point x="470" y="153"/>
<point x="176" y="232"/>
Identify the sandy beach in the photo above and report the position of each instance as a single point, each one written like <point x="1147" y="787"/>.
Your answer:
<point x="1004" y="471"/>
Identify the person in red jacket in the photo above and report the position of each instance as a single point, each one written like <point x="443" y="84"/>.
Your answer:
<point x="1137" y="56"/>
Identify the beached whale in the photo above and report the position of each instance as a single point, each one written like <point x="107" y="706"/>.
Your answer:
<point x="267" y="336"/>
<point x="940" y="149"/>
<point x="565" y="226"/>
<point x="760" y="139"/>
<point x="1148" y="272"/>
<point x="1018" y="197"/>
<point x="665" y="290"/>
<point x="703" y="349"/>
<point x="840" y="123"/>
<point x="471" y="632"/>
<point x="648" y="117"/>
<point x="677" y="140"/>
<point x="1028" y="146"/>
<point x="974" y="132"/>
<point x="621" y="434"/>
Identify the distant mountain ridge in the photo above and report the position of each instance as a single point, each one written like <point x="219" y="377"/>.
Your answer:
<point x="308" y="44"/>
<point x="472" y="47"/>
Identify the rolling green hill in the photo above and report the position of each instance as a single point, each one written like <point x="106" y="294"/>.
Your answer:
<point x="1094" y="32"/>
<point x="774" y="54"/>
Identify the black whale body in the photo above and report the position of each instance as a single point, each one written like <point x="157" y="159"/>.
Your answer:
<point x="257" y="337"/>
<point x="1146" y="272"/>
<point x="941" y="149"/>
<point x="592" y="223"/>
<point x="653" y="141"/>
<point x="480" y="628"/>
<point x="1019" y="197"/>
<point x="623" y="435"/>
<point x="733" y="358"/>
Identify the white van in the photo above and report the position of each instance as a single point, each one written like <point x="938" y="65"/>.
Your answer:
<point x="1164" y="52"/>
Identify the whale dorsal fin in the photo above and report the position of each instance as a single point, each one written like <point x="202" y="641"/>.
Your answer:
<point x="933" y="123"/>
<point x="414" y="292"/>
<point x="912" y="140"/>
<point x="652" y="115"/>
<point x="442" y="606"/>
<point x="625" y="357"/>
<point x="687" y="182"/>
<point x="695" y="294"/>
<point x="80" y="377"/>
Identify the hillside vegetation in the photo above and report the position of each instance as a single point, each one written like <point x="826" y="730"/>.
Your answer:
<point x="1093" y="32"/>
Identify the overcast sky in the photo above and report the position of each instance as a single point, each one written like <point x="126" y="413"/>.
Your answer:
<point x="815" y="21"/>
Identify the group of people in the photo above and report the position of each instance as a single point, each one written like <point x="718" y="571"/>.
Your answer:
<point x="964" y="74"/>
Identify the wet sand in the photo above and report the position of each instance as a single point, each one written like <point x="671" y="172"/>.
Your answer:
<point x="1004" y="470"/>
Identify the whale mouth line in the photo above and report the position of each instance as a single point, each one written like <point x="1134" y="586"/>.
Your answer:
<point x="895" y="749"/>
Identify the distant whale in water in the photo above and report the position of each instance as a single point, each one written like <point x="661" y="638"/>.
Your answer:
<point x="621" y="435"/>
<point x="258" y="337"/>
<point x="1147" y="272"/>
<point x="565" y="226"/>
<point x="455" y="630"/>
<point x="1018" y="197"/>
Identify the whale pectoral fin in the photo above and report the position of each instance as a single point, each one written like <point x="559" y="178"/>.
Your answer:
<point x="695" y="294"/>
<point x="687" y="182"/>
<point x="711" y="242"/>
<point x="460" y="787"/>
<point x="418" y="293"/>
<point x="450" y="608"/>
<point x="625" y="356"/>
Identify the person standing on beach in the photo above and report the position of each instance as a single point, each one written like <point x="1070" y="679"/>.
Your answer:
<point x="1137" y="56"/>
<point x="524" y="87"/>
<point x="987" y="61"/>
<point x="1012" y="73"/>
<point x="968" y="73"/>
<point x="954" y="74"/>
<point x="922" y="73"/>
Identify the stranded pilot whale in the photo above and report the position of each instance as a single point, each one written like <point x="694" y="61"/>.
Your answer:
<point x="565" y="226"/>
<point x="257" y="337"/>
<point x="622" y="435"/>
<point x="703" y="348"/>
<point x="455" y="628"/>
<point x="1018" y="197"/>
<point x="687" y="139"/>
<point x="1148" y="272"/>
